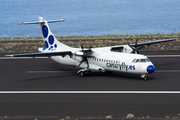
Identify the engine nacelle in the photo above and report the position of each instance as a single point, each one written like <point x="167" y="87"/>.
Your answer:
<point x="77" y="55"/>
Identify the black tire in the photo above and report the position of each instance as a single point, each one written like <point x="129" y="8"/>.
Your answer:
<point x="82" y="74"/>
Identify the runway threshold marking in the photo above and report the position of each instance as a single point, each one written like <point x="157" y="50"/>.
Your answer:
<point x="89" y="92"/>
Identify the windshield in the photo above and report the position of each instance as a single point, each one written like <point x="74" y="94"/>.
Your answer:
<point x="141" y="60"/>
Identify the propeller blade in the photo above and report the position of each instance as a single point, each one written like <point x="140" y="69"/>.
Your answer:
<point x="136" y="44"/>
<point x="80" y="62"/>
<point x="84" y="56"/>
<point x="134" y="50"/>
<point x="84" y="59"/>
<point x="87" y="63"/>
<point x="82" y="47"/>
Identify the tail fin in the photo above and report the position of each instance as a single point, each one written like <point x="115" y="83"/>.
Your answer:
<point x="50" y="42"/>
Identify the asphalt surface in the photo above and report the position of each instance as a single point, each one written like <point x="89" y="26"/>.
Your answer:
<point x="47" y="75"/>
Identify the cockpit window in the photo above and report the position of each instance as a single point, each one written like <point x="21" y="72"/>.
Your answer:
<point x="137" y="61"/>
<point x="134" y="60"/>
<point x="147" y="60"/>
<point x="143" y="60"/>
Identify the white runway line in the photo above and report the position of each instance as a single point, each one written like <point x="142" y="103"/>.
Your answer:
<point x="33" y="72"/>
<point x="9" y="58"/>
<point x="89" y="92"/>
<point x="168" y="71"/>
<point x="163" y="55"/>
<point x="41" y="72"/>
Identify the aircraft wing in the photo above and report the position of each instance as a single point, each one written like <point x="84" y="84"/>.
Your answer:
<point x="144" y="44"/>
<point x="153" y="42"/>
<point x="47" y="54"/>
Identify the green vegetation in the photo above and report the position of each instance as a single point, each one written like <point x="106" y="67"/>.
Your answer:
<point x="129" y="116"/>
<point x="31" y="44"/>
<point x="109" y="117"/>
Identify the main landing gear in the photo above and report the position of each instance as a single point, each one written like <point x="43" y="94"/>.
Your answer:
<point x="83" y="72"/>
<point x="145" y="76"/>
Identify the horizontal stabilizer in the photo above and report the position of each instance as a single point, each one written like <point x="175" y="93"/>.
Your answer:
<point x="56" y="21"/>
<point x="49" y="54"/>
<point x="23" y="23"/>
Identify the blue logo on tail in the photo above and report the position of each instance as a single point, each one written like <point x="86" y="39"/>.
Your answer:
<point x="45" y="31"/>
<point x="50" y="43"/>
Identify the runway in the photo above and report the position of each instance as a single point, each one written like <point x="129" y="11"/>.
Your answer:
<point x="44" y="75"/>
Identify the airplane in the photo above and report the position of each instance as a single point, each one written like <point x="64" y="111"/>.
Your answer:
<point x="102" y="59"/>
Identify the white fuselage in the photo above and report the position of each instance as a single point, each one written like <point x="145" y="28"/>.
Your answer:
<point x="109" y="61"/>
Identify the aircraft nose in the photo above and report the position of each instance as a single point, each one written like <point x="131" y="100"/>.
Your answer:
<point x="150" y="69"/>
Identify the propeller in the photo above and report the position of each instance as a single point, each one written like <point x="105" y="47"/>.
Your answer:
<point x="134" y="48"/>
<point x="84" y="56"/>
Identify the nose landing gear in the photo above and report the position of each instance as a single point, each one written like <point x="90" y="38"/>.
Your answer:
<point x="145" y="76"/>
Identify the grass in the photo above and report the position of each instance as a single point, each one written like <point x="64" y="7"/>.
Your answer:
<point x="27" y="44"/>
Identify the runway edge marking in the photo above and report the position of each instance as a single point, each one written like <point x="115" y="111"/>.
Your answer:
<point x="89" y="92"/>
<point x="163" y="55"/>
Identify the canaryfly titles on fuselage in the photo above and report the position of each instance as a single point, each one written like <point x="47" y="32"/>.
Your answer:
<point x="121" y="66"/>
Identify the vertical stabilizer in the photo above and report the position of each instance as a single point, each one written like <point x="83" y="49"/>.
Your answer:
<point x="50" y="41"/>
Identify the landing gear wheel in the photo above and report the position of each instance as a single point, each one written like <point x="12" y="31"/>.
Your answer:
<point x="82" y="74"/>
<point x="145" y="77"/>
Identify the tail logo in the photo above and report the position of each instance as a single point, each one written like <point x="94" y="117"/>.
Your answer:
<point x="45" y="31"/>
<point x="50" y="43"/>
